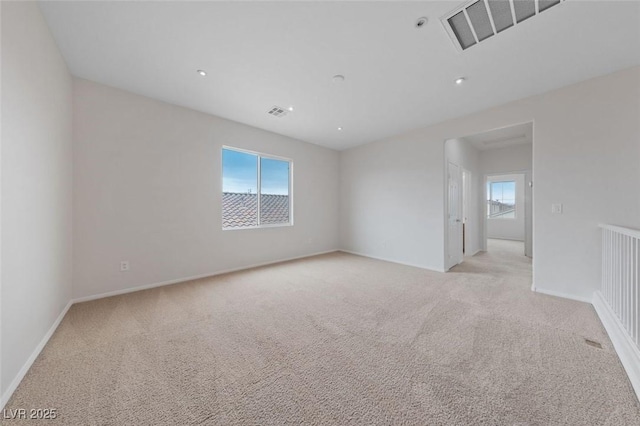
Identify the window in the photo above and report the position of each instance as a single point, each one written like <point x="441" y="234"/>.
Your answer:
<point x="256" y="190"/>
<point x="501" y="200"/>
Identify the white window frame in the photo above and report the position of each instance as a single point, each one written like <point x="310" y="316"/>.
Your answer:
<point x="515" y="198"/>
<point x="260" y="155"/>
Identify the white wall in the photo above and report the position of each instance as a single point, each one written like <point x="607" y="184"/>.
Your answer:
<point x="586" y="156"/>
<point x="513" y="228"/>
<point x="389" y="204"/>
<point x="508" y="159"/>
<point x="36" y="186"/>
<point x="462" y="153"/>
<point x="147" y="183"/>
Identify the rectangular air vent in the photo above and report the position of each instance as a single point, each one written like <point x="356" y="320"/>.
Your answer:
<point x="277" y="111"/>
<point x="525" y="9"/>
<point x="546" y="4"/>
<point x="477" y="20"/>
<point x="501" y="13"/>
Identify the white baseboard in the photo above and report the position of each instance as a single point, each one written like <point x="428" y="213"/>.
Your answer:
<point x="392" y="261"/>
<point x="625" y="348"/>
<point x="560" y="294"/>
<point x="27" y="365"/>
<point x="195" y="277"/>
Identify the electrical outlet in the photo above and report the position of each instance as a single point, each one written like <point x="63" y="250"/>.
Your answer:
<point x="124" y="265"/>
<point x="556" y="208"/>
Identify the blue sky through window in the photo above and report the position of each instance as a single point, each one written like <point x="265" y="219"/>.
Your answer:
<point x="275" y="176"/>
<point x="240" y="173"/>
<point x="505" y="192"/>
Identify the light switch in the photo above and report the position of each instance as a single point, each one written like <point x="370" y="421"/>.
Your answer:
<point x="556" y="208"/>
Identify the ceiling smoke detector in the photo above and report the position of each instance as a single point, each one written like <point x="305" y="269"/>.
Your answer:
<point x="477" y="20"/>
<point x="202" y="73"/>
<point x="277" y="111"/>
<point x="338" y="78"/>
<point x="421" y="22"/>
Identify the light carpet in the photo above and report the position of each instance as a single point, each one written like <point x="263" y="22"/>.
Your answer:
<point x="335" y="339"/>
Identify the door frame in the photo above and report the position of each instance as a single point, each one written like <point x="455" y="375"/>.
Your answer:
<point x="448" y="265"/>
<point x="467" y="178"/>
<point x="530" y="178"/>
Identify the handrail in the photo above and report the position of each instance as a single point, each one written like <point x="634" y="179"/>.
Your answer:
<point x="635" y="233"/>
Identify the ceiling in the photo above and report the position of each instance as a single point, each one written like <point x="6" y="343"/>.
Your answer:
<point x="397" y="77"/>
<point x="520" y="134"/>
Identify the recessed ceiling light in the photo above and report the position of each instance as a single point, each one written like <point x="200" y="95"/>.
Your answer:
<point x="290" y="108"/>
<point x="338" y="78"/>
<point x="460" y="80"/>
<point x="340" y="128"/>
<point x="421" y="22"/>
<point x="202" y="72"/>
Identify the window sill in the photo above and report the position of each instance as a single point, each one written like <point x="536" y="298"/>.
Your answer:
<point x="275" y="225"/>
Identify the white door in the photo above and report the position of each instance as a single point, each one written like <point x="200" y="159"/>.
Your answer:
<point x="466" y="221"/>
<point x="454" y="216"/>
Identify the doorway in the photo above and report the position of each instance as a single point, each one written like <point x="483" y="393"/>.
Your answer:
<point x="471" y="164"/>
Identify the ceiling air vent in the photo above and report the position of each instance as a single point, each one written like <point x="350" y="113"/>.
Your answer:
<point x="477" y="20"/>
<point x="277" y="111"/>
